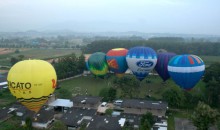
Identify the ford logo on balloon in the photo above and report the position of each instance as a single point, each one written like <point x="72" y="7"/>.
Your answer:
<point x="144" y="64"/>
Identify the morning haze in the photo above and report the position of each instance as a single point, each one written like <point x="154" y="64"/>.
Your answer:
<point x="149" y="16"/>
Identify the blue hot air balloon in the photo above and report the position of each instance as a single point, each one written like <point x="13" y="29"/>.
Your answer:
<point x="162" y="63"/>
<point x="186" y="70"/>
<point x="141" y="60"/>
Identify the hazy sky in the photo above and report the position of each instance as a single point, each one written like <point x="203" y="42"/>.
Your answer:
<point x="150" y="16"/>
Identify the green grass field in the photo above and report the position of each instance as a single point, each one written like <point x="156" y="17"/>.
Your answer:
<point x="37" y="54"/>
<point x="210" y="59"/>
<point x="93" y="85"/>
<point x="81" y="84"/>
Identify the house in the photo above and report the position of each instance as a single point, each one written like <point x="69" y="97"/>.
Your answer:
<point x="43" y="119"/>
<point x="61" y="104"/>
<point x="105" y="123"/>
<point x="5" y="113"/>
<point x="74" y="117"/>
<point x="133" y="120"/>
<point x="87" y="101"/>
<point x="3" y="81"/>
<point x="135" y="106"/>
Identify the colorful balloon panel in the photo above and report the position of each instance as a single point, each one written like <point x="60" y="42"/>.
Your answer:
<point x="186" y="70"/>
<point x="141" y="60"/>
<point x="162" y="63"/>
<point x="97" y="64"/>
<point x="31" y="82"/>
<point x="86" y="60"/>
<point x="116" y="59"/>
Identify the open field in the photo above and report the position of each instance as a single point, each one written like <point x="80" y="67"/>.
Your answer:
<point x="210" y="59"/>
<point x="93" y="85"/>
<point x="36" y="54"/>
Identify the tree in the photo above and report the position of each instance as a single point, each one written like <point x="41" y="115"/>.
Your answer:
<point x="204" y="116"/>
<point x="129" y="86"/>
<point x="28" y="124"/>
<point x="108" y="94"/>
<point x="58" y="125"/>
<point x="81" y="65"/>
<point x="14" y="60"/>
<point x="108" y="111"/>
<point x="212" y="72"/>
<point x="112" y="94"/>
<point x="213" y="92"/>
<point x="174" y="97"/>
<point x="147" y="121"/>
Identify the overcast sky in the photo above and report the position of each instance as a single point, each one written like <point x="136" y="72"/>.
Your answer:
<point x="150" y="16"/>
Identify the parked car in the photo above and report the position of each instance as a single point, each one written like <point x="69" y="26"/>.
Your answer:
<point x="118" y="102"/>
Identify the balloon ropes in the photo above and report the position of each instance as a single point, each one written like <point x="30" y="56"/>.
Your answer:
<point x="32" y="82"/>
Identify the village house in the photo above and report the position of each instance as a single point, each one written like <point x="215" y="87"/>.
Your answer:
<point x="87" y="101"/>
<point x="135" y="106"/>
<point x="74" y="117"/>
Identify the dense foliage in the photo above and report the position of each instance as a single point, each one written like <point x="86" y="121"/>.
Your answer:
<point x="204" y="116"/>
<point x="128" y="85"/>
<point x="69" y="66"/>
<point x="177" y="46"/>
<point x="212" y="79"/>
<point x="147" y="121"/>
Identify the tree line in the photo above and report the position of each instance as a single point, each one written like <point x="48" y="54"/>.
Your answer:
<point x="177" y="46"/>
<point x="69" y="66"/>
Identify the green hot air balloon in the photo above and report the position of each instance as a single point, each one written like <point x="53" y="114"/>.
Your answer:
<point x="97" y="64"/>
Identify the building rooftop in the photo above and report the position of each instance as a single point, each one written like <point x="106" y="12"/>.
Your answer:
<point x="43" y="116"/>
<point x="61" y="103"/>
<point x="74" y="116"/>
<point x="86" y="99"/>
<point x="144" y="104"/>
<point x="104" y="123"/>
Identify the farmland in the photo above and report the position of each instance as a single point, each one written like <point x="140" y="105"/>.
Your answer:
<point x="36" y="54"/>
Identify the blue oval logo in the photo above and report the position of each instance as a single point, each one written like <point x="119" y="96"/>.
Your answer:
<point x="144" y="64"/>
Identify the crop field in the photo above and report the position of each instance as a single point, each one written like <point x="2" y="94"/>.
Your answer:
<point x="36" y="54"/>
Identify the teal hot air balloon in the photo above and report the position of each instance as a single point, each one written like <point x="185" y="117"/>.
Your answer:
<point x="141" y="60"/>
<point x="116" y="59"/>
<point x="97" y="64"/>
<point x="186" y="70"/>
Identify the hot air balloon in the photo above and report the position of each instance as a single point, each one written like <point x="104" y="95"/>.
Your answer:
<point x="86" y="61"/>
<point x="186" y="70"/>
<point x="162" y="63"/>
<point x="141" y="60"/>
<point x="32" y="82"/>
<point x="116" y="59"/>
<point x="97" y="64"/>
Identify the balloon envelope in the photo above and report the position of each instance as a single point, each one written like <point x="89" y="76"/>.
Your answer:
<point x="186" y="70"/>
<point x="32" y="82"/>
<point x="97" y="64"/>
<point x="162" y="63"/>
<point x="141" y="60"/>
<point x="86" y="61"/>
<point x="116" y="59"/>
